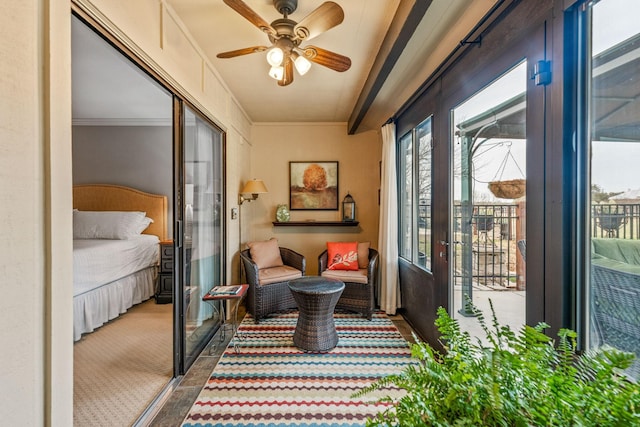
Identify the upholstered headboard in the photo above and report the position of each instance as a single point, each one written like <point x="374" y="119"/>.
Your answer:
<point x="107" y="197"/>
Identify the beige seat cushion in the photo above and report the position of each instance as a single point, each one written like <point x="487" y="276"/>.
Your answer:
<point x="277" y="274"/>
<point x="353" y="276"/>
<point x="265" y="254"/>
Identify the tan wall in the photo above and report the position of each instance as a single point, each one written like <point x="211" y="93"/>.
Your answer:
<point x="274" y="145"/>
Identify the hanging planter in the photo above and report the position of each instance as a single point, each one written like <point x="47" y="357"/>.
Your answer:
<point x="508" y="189"/>
<point x="511" y="189"/>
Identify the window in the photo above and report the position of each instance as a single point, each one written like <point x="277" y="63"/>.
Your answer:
<point x="414" y="170"/>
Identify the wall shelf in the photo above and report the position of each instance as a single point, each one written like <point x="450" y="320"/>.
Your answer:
<point x="316" y="224"/>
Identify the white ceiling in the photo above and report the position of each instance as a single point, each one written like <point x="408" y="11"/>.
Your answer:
<point x="322" y="95"/>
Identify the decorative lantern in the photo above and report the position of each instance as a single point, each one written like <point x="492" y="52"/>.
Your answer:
<point x="348" y="208"/>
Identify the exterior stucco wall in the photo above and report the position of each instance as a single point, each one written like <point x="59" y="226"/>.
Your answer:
<point x="35" y="191"/>
<point x="36" y="369"/>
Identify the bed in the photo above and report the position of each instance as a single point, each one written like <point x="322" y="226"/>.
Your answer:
<point x="114" y="273"/>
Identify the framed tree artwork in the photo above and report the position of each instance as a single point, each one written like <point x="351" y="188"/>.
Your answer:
<point x="313" y="185"/>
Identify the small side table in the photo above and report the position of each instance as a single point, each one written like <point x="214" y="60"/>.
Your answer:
<point x="316" y="298"/>
<point x="234" y="300"/>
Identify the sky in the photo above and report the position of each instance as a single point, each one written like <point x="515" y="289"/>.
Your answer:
<point x="615" y="164"/>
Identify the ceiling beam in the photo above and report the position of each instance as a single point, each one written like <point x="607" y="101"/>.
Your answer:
<point x="404" y="23"/>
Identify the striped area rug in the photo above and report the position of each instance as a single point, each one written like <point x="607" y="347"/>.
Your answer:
<point x="270" y="382"/>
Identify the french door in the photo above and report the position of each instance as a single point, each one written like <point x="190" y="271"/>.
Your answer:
<point x="495" y="209"/>
<point x="487" y="262"/>
<point x="496" y="202"/>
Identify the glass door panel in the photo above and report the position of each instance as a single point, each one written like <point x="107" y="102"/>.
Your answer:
<point x="202" y="231"/>
<point x="424" y="163"/>
<point x="415" y="167"/>
<point x="614" y="211"/>
<point x="488" y="213"/>
<point x="405" y="196"/>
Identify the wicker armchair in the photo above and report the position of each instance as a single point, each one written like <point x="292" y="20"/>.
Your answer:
<point x="615" y="306"/>
<point x="269" y="288"/>
<point x="360" y="285"/>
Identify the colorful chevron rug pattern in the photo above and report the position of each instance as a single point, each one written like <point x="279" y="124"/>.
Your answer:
<point x="269" y="382"/>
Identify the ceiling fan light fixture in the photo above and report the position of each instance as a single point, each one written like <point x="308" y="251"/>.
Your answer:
<point x="275" y="56"/>
<point x="286" y="35"/>
<point x="301" y="63"/>
<point x="276" y="72"/>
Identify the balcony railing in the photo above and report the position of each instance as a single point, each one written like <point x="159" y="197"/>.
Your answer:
<point x="494" y="250"/>
<point x="496" y="229"/>
<point x="616" y="221"/>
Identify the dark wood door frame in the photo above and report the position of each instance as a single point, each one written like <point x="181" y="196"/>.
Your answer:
<point x="528" y="29"/>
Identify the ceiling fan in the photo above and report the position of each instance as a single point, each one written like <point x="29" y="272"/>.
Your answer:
<point x="286" y="35"/>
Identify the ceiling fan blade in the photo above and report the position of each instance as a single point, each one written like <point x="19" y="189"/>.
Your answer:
<point x="325" y="17"/>
<point x="243" y="9"/>
<point x="240" y="52"/>
<point x="287" y="76"/>
<point x="326" y="58"/>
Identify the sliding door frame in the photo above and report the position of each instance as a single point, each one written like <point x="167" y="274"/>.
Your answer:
<point x="180" y="366"/>
<point x="183" y="360"/>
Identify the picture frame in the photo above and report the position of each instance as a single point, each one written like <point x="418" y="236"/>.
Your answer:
<point x="313" y="185"/>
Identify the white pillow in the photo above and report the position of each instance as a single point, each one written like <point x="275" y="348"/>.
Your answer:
<point x="108" y="224"/>
<point x="146" y="222"/>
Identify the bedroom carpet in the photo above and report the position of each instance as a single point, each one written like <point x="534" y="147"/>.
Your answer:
<point x="121" y="367"/>
<point x="272" y="383"/>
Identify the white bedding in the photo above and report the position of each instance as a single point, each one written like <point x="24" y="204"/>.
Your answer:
<point x="98" y="262"/>
<point x="110" y="276"/>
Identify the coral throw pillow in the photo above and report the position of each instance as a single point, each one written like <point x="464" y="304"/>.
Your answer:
<point x="342" y="255"/>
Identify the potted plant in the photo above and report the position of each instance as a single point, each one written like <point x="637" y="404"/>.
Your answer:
<point x="511" y="379"/>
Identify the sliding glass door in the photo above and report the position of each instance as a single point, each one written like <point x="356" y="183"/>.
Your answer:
<point x="202" y="231"/>
<point x="612" y="205"/>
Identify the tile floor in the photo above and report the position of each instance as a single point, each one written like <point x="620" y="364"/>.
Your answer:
<point x="178" y="403"/>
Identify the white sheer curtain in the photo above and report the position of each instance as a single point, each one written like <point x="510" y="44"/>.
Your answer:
<point x="203" y="230"/>
<point x="389" y="292"/>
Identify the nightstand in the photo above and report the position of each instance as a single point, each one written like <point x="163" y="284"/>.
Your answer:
<point x="164" y="287"/>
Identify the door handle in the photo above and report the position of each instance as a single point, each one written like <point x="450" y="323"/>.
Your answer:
<point x="444" y="254"/>
<point x="179" y="233"/>
<point x="455" y="242"/>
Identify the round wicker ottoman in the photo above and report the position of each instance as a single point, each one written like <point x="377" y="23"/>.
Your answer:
<point x="316" y="298"/>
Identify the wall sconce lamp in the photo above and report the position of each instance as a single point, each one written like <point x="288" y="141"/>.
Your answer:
<point x="253" y="187"/>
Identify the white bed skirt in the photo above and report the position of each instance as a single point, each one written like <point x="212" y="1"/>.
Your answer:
<point x="95" y="308"/>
